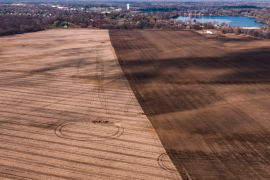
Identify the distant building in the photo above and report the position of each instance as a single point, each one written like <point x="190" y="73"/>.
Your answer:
<point x="62" y="8"/>
<point x="105" y="12"/>
<point x="18" y="4"/>
<point x="209" y="32"/>
<point x="127" y="6"/>
<point x="250" y="27"/>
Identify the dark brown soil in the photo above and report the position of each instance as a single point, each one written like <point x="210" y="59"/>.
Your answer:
<point x="207" y="98"/>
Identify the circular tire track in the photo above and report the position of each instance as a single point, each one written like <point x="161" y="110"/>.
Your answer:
<point x="89" y="131"/>
<point x="165" y="163"/>
<point x="132" y="102"/>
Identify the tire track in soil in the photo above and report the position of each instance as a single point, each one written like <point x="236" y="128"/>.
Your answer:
<point x="98" y="128"/>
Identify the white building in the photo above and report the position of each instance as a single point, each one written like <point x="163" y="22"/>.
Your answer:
<point x="127" y="6"/>
<point x="65" y="8"/>
<point x="251" y="27"/>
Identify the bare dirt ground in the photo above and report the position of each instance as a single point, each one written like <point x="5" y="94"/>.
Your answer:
<point x="207" y="98"/>
<point x="67" y="112"/>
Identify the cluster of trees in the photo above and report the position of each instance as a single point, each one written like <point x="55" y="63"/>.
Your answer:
<point x="262" y="33"/>
<point x="153" y="21"/>
<point x="15" y="24"/>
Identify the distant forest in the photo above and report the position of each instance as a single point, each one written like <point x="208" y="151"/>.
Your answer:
<point x="15" y="24"/>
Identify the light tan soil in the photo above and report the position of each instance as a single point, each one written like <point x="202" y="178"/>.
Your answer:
<point x="67" y="112"/>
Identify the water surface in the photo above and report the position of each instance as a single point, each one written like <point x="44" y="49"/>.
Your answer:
<point x="229" y="20"/>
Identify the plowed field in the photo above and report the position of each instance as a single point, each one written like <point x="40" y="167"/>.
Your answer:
<point x="207" y="98"/>
<point x="67" y="112"/>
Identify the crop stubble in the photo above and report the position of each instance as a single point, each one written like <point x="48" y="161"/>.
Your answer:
<point x="207" y="98"/>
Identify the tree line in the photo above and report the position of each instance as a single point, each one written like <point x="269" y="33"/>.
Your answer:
<point x="37" y="17"/>
<point x="264" y="32"/>
<point x="15" y="24"/>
